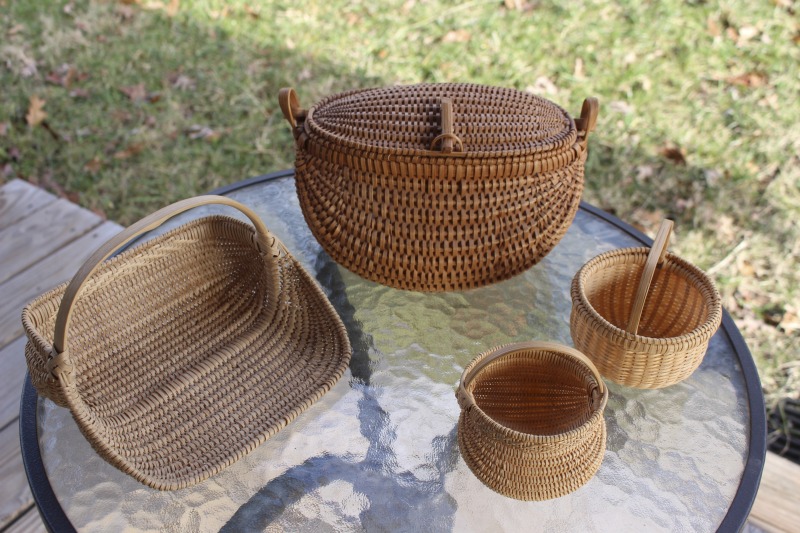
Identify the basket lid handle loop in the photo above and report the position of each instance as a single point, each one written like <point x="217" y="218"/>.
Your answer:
<point x="265" y="242"/>
<point x="656" y="256"/>
<point x="588" y="119"/>
<point x="465" y="398"/>
<point x="447" y="138"/>
<point x="290" y="105"/>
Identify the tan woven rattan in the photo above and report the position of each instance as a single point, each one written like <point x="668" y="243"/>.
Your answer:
<point x="180" y="356"/>
<point x="531" y="424"/>
<point x="643" y="326"/>
<point x="438" y="187"/>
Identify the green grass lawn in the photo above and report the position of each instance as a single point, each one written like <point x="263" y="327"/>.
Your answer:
<point x="699" y="112"/>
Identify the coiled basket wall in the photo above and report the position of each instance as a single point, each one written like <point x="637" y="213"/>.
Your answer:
<point x="181" y="355"/>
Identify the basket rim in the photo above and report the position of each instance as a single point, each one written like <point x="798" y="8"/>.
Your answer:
<point x="698" y="335"/>
<point x="562" y="144"/>
<point x="474" y="368"/>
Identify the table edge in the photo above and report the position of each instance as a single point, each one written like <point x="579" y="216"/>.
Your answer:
<point x="55" y="519"/>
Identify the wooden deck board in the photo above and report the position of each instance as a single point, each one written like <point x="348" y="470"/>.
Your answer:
<point x="15" y="496"/>
<point x="777" y="505"/>
<point x="19" y="199"/>
<point x="29" y="522"/>
<point x="12" y="374"/>
<point x="44" y="275"/>
<point x="37" y="237"/>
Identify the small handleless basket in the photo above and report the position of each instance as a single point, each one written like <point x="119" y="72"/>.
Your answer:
<point x="438" y="187"/>
<point x="179" y="356"/>
<point x="644" y="316"/>
<point x="531" y="424"/>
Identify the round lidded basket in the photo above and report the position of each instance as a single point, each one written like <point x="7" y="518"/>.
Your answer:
<point x="531" y="424"/>
<point x="438" y="187"/>
<point x="644" y="316"/>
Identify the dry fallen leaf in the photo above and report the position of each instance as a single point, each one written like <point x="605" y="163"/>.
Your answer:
<point x="519" y="5"/>
<point x="79" y="93"/>
<point x="457" y="36"/>
<point x="748" y="79"/>
<point x="674" y="154"/>
<point x="3" y="129"/>
<point x="221" y="14"/>
<point x="197" y="131"/>
<point x="578" y="71"/>
<point x="183" y="83"/>
<point x="790" y="322"/>
<point x="125" y="12"/>
<point x="64" y="76"/>
<point x="99" y="212"/>
<point x="645" y="172"/>
<point x="36" y="114"/>
<point x="621" y="106"/>
<point x="253" y="12"/>
<point x="713" y="27"/>
<point x="137" y="93"/>
<point x="542" y="85"/>
<point x="747" y="33"/>
<point x="130" y="151"/>
<point x="94" y="165"/>
<point x="121" y="116"/>
<point x="173" y="7"/>
<point x="48" y="182"/>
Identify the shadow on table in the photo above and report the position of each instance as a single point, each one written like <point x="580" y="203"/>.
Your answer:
<point x="404" y="502"/>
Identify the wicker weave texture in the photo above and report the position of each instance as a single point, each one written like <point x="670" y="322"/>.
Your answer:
<point x="187" y="352"/>
<point x="531" y="425"/>
<point x="438" y="187"/>
<point x="680" y="315"/>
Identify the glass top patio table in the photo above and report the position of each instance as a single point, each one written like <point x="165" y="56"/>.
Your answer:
<point x="379" y="451"/>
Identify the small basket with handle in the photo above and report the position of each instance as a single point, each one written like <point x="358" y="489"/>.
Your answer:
<point x="644" y="316"/>
<point x="531" y="424"/>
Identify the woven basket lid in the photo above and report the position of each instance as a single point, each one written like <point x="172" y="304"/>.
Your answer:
<point x="487" y="121"/>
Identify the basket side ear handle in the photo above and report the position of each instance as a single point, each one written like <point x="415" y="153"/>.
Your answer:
<point x="586" y="123"/>
<point x="263" y="239"/>
<point x="290" y="105"/>
<point x="656" y="256"/>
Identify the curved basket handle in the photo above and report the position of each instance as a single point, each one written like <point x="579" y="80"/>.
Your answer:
<point x="447" y="138"/>
<point x="589" y="111"/>
<point x="656" y="256"/>
<point x="290" y="105"/>
<point x="263" y="239"/>
<point x="466" y="399"/>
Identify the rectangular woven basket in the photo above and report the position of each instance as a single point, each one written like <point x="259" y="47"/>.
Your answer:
<point x="181" y="355"/>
